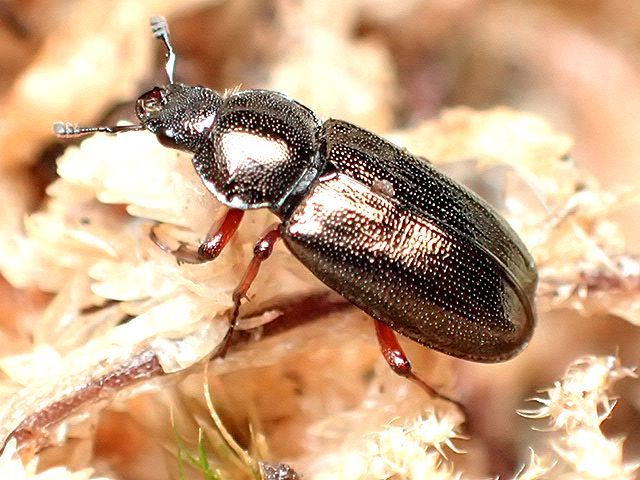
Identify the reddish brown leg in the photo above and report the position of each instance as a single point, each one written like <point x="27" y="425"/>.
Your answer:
<point x="215" y="241"/>
<point x="261" y="252"/>
<point x="400" y="364"/>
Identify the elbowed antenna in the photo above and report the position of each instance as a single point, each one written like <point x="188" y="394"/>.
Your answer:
<point x="62" y="129"/>
<point x="160" y="30"/>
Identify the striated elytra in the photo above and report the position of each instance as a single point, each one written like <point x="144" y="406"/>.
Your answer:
<point x="415" y="250"/>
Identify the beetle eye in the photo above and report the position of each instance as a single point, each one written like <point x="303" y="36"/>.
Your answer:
<point x="150" y="102"/>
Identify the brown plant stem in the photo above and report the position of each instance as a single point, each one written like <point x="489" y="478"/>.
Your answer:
<point x="32" y="432"/>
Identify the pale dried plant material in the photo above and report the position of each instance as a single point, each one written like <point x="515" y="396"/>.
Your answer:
<point x="361" y="92"/>
<point x="91" y="254"/>
<point x="584" y="260"/>
<point x="12" y="468"/>
<point x="576" y="406"/>
<point x="414" y="451"/>
<point x="537" y="468"/>
<point x="96" y="36"/>
<point x="62" y="253"/>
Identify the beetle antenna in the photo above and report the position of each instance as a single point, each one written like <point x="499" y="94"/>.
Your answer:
<point x="62" y="129"/>
<point x="160" y="30"/>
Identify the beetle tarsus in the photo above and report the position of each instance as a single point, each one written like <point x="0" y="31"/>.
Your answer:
<point x="153" y="236"/>
<point x="435" y="393"/>
<point x="213" y="244"/>
<point x="183" y="254"/>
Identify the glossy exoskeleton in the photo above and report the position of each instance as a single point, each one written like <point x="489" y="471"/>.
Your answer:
<point x="417" y="251"/>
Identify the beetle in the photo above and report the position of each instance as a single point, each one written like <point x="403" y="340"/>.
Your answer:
<point x="421" y="254"/>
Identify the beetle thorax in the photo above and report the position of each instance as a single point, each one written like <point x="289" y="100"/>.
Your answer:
<point x="260" y="146"/>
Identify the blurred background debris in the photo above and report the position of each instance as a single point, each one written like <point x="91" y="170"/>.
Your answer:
<point x="534" y="104"/>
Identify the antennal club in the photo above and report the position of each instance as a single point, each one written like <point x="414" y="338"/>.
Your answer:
<point x="62" y="129"/>
<point x="160" y="30"/>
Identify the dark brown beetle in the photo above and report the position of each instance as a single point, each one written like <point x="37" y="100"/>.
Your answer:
<point x="418" y="252"/>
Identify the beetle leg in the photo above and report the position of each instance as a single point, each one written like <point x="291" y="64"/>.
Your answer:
<point x="215" y="241"/>
<point x="400" y="364"/>
<point x="261" y="252"/>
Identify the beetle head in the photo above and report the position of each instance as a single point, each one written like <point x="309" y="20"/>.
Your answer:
<point x="178" y="114"/>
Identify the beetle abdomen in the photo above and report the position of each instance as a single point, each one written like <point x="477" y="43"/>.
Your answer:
<point x="414" y="249"/>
